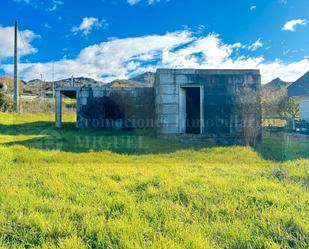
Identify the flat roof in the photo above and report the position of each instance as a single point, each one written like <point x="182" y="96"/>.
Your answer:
<point x="67" y="88"/>
<point x="207" y="71"/>
<point x="68" y="91"/>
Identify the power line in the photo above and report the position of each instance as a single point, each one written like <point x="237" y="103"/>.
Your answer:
<point x="22" y="39"/>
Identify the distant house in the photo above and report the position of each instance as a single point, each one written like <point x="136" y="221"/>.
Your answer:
<point x="300" y="90"/>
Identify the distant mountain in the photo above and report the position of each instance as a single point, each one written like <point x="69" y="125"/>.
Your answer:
<point x="275" y="90"/>
<point x="34" y="81"/>
<point x="147" y="78"/>
<point x="144" y="80"/>
<point x="277" y="84"/>
<point x="79" y="81"/>
<point x="273" y="93"/>
<point x="38" y="87"/>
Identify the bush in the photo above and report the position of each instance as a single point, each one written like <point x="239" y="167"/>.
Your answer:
<point x="37" y="106"/>
<point x="46" y="106"/>
<point x="6" y="103"/>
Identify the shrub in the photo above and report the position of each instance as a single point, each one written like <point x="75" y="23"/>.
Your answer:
<point x="45" y="106"/>
<point x="6" y="103"/>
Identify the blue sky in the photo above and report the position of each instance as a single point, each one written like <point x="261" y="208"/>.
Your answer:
<point x="107" y="39"/>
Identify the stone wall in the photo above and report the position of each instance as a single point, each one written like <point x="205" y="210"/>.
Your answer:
<point x="116" y="108"/>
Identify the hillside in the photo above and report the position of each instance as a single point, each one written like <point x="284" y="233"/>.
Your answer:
<point x="145" y="79"/>
<point x="275" y="89"/>
<point x="7" y="84"/>
<point x="38" y="87"/>
<point x="270" y="90"/>
<point x="276" y="84"/>
<point x="79" y="81"/>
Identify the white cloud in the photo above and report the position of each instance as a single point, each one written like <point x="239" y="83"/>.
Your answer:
<point x="283" y="1"/>
<point x="292" y="24"/>
<point x="48" y="5"/>
<point x="111" y="59"/>
<point x="256" y="45"/>
<point x="55" y="5"/>
<point x="133" y="2"/>
<point x="32" y="3"/>
<point x="47" y="26"/>
<point x="253" y="7"/>
<point x="24" y="43"/>
<point x="209" y="50"/>
<point x="22" y="1"/>
<point x="88" y="24"/>
<point x="122" y="58"/>
<point x="287" y="71"/>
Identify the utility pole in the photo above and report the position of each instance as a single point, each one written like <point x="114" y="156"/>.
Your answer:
<point x="41" y="86"/>
<point x="53" y="79"/>
<point x="16" y="90"/>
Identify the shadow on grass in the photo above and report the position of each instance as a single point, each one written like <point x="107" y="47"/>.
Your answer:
<point x="281" y="148"/>
<point x="70" y="139"/>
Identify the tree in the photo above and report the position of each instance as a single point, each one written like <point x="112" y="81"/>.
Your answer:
<point x="6" y="104"/>
<point x="287" y="108"/>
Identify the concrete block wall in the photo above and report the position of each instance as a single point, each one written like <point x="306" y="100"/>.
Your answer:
<point x="230" y="103"/>
<point x="166" y="102"/>
<point x="229" y="96"/>
<point x="119" y="107"/>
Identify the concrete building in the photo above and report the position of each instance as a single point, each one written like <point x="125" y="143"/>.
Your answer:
<point x="105" y="107"/>
<point x="222" y="105"/>
<point x="300" y="90"/>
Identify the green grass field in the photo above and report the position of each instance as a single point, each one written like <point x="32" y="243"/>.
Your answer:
<point x="96" y="189"/>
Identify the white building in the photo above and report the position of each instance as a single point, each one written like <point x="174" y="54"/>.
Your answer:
<point x="300" y="90"/>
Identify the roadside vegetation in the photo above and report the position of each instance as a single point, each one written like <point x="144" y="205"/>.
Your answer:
<point x="47" y="106"/>
<point x="98" y="189"/>
<point x="35" y="105"/>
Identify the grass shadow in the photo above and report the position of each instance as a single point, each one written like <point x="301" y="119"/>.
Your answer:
<point x="44" y="136"/>
<point x="71" y="139"/>
<point x="281" y="148"/>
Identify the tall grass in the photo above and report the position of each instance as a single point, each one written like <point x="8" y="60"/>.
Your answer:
<point x="161" y="194"/>
<point x="47" y="105"/>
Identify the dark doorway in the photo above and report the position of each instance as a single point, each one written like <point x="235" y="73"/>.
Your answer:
<point x="193" y="110"/>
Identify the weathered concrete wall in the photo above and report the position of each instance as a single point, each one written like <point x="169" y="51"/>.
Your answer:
<point x="230" y="104"/>
<point x="117" y="108"/>
<point x="167" y="103"/>
<point x="231" y="101"/>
